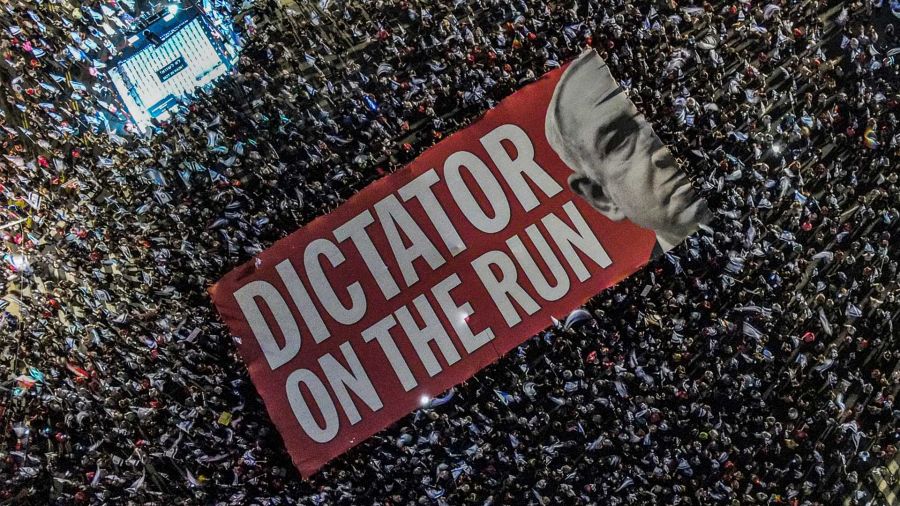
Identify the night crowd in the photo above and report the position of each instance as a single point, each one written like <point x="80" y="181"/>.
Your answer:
<point x="754" y="364"/>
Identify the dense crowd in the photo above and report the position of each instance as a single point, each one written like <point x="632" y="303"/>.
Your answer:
<point x="754" y="364"/>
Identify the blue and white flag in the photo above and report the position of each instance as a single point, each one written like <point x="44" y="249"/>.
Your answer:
<point x="444" y="399"/>
<point x="853" y="311"/>
<point x="504" y="397"/>
<point x="752" y="332"/>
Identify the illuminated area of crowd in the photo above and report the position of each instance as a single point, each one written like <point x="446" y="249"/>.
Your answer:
<point x="760" y="368"/>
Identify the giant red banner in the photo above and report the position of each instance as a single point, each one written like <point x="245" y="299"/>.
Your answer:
<point x="435" y="271"/>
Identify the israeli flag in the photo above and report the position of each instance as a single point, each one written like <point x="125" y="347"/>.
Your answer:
<point x="505" y="398"/>
<point x="384" y="68"/>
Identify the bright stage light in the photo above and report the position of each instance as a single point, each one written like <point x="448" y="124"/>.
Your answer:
<point x="171" y="12"/>
<point x="424" y="400"/>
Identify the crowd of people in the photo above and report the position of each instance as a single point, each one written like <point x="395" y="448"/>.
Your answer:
<point x="754" y="364"/>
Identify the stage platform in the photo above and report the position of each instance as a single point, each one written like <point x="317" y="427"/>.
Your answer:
<point x="176" y="53"/>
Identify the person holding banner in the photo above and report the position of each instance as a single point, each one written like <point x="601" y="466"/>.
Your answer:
<point x="620" y="166"/>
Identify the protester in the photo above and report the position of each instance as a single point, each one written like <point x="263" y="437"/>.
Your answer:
<point x="754" y="364"/>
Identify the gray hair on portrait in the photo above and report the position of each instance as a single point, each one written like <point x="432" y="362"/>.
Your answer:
<point x="579" y="83"/>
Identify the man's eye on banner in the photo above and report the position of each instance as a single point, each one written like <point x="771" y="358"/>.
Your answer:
<point x="620" y="166"/>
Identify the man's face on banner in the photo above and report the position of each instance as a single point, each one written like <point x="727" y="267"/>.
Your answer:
<point x="621" y="166"/>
